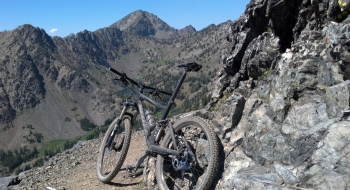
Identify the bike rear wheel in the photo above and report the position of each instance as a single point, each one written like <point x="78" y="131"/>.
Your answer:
<point x="197" y="164"/>
<point x="110" y="159"/>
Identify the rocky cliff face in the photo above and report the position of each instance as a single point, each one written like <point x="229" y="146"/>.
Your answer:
<point x="21" y="83"/>
<point x="283" y="101"/>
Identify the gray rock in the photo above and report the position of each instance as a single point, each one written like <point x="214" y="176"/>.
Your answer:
<point x="254" y="177"/>
<point x="260" y="56"/>
<point x="338" y="98"/>
<point x="7" y="181"/>
<point x="285" y="174"/>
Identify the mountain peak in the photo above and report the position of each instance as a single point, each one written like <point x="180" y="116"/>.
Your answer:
<point x="187" y="30"/>
<point x="131" y="19"/>
<point x="143" y="23"/>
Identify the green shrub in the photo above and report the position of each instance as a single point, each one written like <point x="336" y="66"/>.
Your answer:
<point x="86" y="125"/>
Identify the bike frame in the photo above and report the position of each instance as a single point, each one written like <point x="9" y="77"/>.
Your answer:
<point x="153" y="147"/>
<point x="161" y="123"/>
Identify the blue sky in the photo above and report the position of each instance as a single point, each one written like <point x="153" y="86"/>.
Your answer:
<point x="63" y="17"/>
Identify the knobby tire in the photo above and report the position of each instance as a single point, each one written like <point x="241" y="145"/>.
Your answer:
<point x="118" y="156"/>
<point x="205" y="162"/>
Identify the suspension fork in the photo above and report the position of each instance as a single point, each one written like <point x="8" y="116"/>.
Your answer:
<point x="117" y="124"/>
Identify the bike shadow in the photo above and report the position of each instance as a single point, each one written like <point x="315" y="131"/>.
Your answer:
<point x="125" y="179"/>
<point x="123" y="184"/>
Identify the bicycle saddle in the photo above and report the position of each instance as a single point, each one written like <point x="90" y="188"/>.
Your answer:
<point x="192" y="66"/>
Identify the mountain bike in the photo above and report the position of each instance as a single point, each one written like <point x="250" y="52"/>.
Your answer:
<point x="186" y="151"/>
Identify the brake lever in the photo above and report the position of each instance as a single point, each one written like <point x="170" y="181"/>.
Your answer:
<point x="123" y="80"/>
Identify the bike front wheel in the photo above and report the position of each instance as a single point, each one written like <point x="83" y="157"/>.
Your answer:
<point x="197" y="164"/>
<point x="110" y="159"/>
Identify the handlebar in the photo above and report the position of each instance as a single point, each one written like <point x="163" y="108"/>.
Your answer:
<point x="115" y="71"/>
<point x="123" y="76"/>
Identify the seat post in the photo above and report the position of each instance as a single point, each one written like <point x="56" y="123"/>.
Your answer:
<point x="173" y="96"/>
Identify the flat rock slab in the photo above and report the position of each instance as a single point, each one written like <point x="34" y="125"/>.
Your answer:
<point x="6" y="181"/>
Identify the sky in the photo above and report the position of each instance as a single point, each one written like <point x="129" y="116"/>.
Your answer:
<point x="63" y="17"/>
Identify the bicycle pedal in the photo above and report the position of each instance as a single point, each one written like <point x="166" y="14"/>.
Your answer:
<point x="129" y="168"/>
<point x="132" y="175"/>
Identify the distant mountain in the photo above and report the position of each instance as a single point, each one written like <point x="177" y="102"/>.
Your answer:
<point x="51" y="83"/>
<point x="143" y="23"/>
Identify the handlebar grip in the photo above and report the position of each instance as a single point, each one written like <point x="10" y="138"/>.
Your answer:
<point x="115" y="71"/>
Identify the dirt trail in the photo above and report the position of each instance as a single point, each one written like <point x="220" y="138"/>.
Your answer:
<point x="76" y="169"/>
<point x="122" y="180"/>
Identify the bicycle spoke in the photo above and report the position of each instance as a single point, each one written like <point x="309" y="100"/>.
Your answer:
<point x="196" y="164"/>
<point x="194" y="141"/>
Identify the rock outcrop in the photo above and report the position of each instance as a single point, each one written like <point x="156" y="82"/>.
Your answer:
<point x="289" y="60"/>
